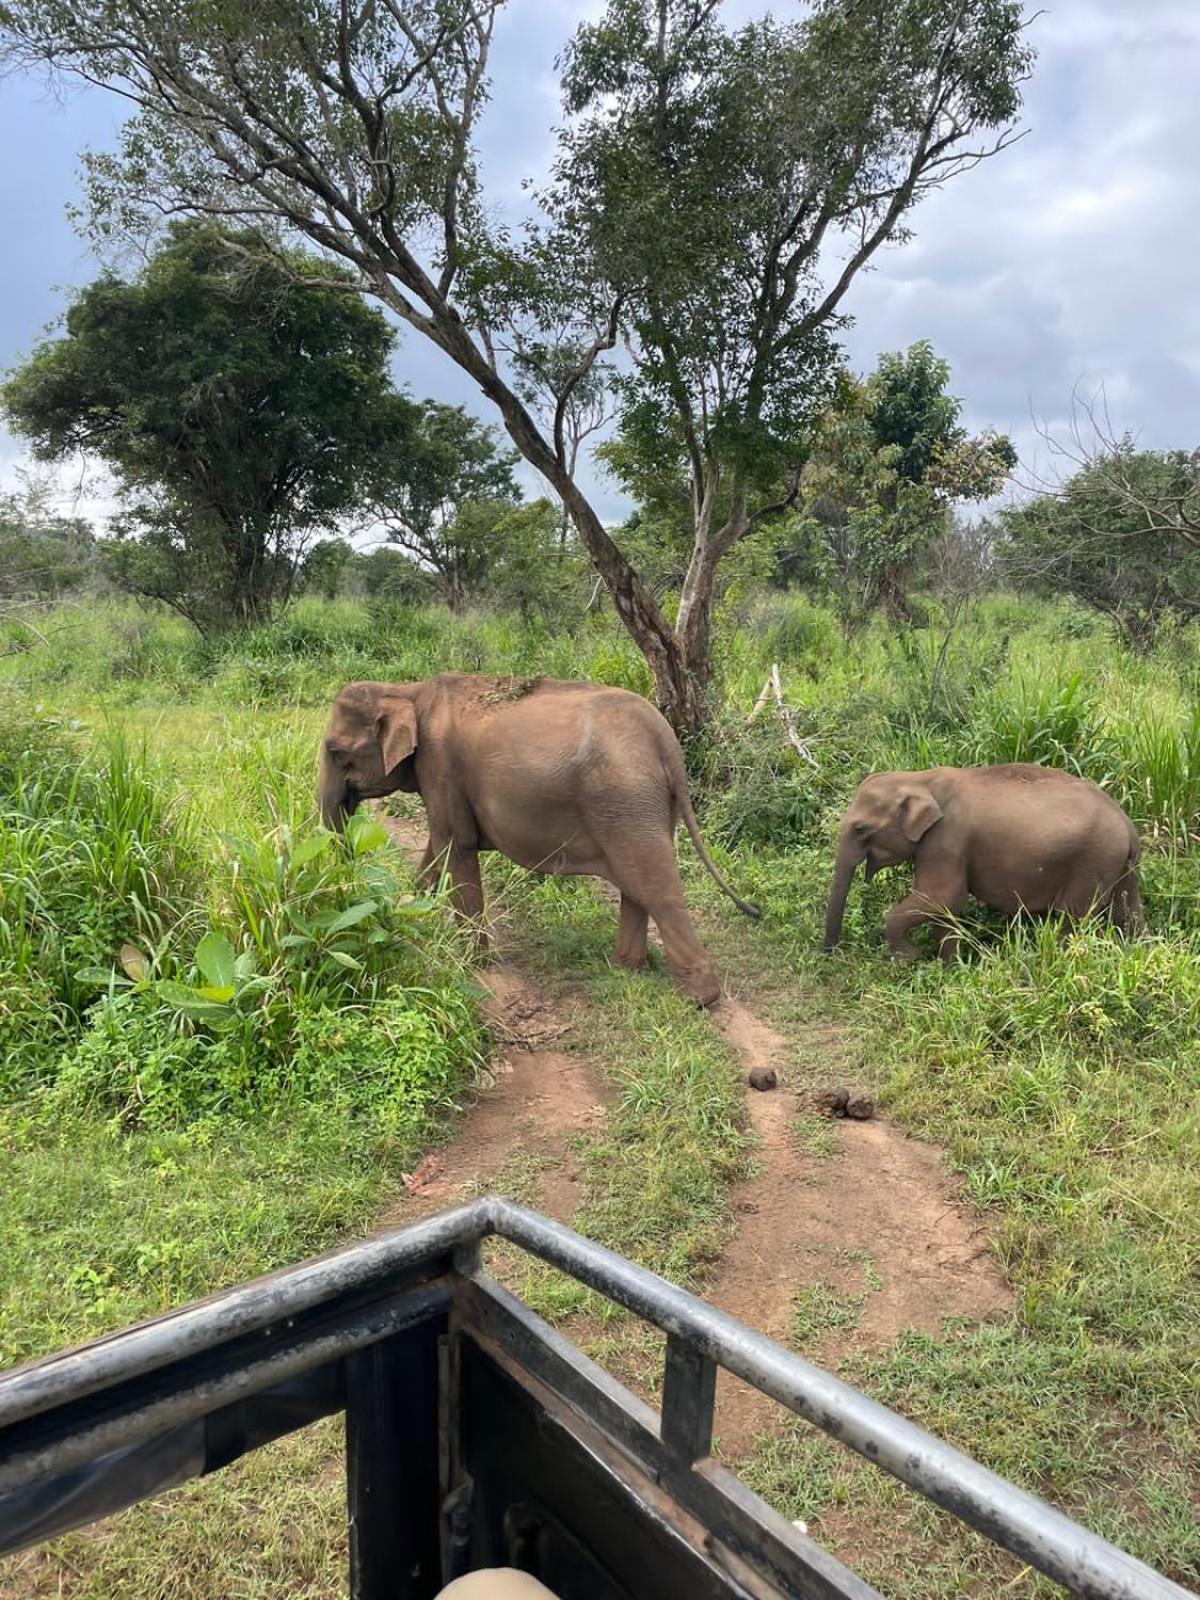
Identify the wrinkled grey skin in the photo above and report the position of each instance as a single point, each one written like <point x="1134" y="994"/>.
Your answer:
<point x="1017" y="837"/>
<point x="558" y="776"/>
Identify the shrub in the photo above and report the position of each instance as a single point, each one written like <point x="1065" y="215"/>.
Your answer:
<point x="339" y="990"/>
<point x="392" y="1065"/>
<point x="91" y="853"/>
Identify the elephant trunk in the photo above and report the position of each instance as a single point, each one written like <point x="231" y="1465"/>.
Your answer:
<point x="848" y="857"/>
<point x="334" y="797"/>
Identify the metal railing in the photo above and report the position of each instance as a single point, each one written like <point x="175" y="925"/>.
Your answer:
<point x="86" y="1425"/>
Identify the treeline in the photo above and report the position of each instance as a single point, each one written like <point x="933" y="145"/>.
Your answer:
<point x="242" y="399"/>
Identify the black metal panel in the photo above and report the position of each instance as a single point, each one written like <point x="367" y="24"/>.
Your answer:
<point x="44" y="1508"/>
<point x="545" y="1497"/>
<point x="689" y="1396"/>
<point x="75" y="1458"/>
<point x="757" y="1539"/>
<point x="392" y="1480"/>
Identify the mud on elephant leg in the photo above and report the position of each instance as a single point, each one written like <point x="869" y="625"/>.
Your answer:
<point x="632" y="927"/>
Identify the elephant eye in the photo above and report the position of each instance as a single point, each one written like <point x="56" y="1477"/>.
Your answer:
<point x="860" y="828"/>
<point x="336" y="754"/>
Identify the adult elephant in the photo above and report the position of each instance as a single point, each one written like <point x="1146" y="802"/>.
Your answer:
<point x="1017" y="837"/>
<point x="558" y="776"/>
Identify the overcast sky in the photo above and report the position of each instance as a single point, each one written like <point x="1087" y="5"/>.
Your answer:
<point x="1073" y="259"/>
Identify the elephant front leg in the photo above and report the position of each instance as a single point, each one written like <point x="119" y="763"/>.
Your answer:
<point x="923" y="905"/>
<point x="466" y="881"/>
<point x="632" y="929"/>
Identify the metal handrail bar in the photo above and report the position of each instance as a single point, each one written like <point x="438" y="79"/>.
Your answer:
<point x="1011" y="1517"/>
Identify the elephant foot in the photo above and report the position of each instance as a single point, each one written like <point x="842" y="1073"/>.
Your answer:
<point x="703" y="986"/>
<point x="632" y="963"/>
<point x="906" y="955"/>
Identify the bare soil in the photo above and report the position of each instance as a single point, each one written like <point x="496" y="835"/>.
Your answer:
<point x="536" y="1102"/>
<point x="881" y="1221"/>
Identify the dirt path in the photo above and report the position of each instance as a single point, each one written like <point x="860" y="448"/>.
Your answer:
<point x="842" y="1250"/>
<point x="847" y="1234"/>
<point x="522" y="1123"/>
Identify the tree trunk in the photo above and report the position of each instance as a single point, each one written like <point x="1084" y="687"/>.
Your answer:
<point x="895" y="600"/>
<point x="675" y="691"/>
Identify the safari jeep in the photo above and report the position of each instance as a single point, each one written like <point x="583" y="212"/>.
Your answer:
<point x="478" y="1438"/>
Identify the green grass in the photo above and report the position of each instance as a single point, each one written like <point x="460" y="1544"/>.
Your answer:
<point x="1061" y="1076"/>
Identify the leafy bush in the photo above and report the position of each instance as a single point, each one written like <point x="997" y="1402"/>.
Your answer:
<point x="334" y="971"/>
<point x="393" y="1065"/>
<point x="90" y="853"/>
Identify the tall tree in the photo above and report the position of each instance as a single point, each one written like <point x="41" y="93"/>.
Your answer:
<point x="442" y="491"/>
<point x="706" y="176"/>
<point x="237" y="398"/>
<point x="887" y="459"/>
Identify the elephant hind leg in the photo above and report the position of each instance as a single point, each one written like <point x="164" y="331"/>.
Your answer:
<point x="632" y="930"/>
<point x="653" y="877"/>
<point x="1125" y="906"/>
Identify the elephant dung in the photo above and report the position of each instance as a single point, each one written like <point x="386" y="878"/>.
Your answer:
<point x="842" y="1103"/>
<point x="763" y="1078"/>
<point x="833" y="1102"/>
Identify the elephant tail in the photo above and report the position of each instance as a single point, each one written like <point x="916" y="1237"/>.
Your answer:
<point x="683" y="804"/>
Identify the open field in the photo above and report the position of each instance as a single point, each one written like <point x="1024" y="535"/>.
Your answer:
<point x="157" y="791"/>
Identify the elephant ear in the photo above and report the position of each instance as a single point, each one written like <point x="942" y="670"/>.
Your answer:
<point x="918" y="813"/>
<point x="397" y="729"/>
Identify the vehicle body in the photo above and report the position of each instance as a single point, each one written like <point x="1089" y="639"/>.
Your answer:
<point x="477" y="1436"/>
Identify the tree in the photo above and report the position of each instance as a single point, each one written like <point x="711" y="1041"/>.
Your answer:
<point x="1121" y="534"/>
<point x="42" y="556"/>
<point x="238" y="400"/>
<point x="887" y="460"/>
<point x="323" y="569"/>
<point x="441" y="490"/>
<point x="704" y="174"/>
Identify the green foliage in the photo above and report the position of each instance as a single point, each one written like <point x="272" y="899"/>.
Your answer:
<point x="1117" y="537"/>
<point x="885" y="461"/>
<point x="238" y="400"/>
<point x="42" y="556"/>
<point x="90" y="853"/>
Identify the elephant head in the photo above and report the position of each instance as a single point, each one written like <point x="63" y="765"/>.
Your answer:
<point x="888" y="817"/>
<point x="368" y="748"/>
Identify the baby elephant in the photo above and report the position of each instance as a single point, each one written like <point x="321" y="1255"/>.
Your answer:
<point x="1016" y="837"/>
